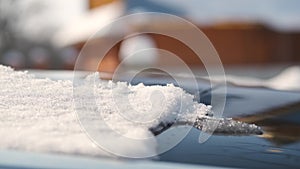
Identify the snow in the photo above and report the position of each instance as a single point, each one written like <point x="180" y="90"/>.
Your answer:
<point x="95" y="22"/>
<point x="48" y="15"/>
<point x="39" y="114"/>
<point x="286" y="80"/>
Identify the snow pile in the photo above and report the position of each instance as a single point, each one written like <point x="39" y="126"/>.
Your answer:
<point x="39" y="114"/>
<point x="287" y="80"/>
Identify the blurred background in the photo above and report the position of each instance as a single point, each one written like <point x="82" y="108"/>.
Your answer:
<point x="254" y="38"/>
<point x="49" y="34"/>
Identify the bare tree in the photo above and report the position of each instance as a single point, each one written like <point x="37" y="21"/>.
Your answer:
<point x="8" y="16"/>
<point x="12" y="14"/>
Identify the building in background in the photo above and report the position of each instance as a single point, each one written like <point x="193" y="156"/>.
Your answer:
<point x="243" y="32"/>
<point x="238" y="42"/>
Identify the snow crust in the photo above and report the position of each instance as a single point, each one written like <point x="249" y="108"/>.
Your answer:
<point x="40" y="115"/>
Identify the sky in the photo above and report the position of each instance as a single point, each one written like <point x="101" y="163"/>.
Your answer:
<point x="281" y="14"/>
